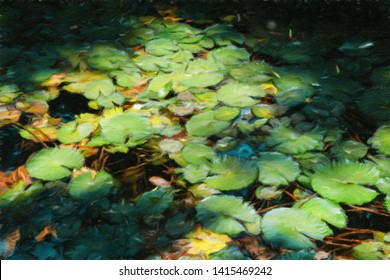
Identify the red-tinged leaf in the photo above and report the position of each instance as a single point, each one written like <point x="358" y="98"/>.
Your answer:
<point x="159" y="182"/>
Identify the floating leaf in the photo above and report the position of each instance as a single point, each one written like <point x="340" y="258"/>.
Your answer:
<point x="54" y="164"/>
<point x="224" y="34"/>
<point x="103" y="87"/>
<point x="292" y="91"/>
<point x="371" y="251"/>
<point x="292" y="141"/>
<point x="381" y="139"/>
<point x="228" y="214"/>
<point x="89" y="186"/>
<point x="326" y="210"/>
<point x="198" y="153"/>
<point x="375" y="103"/>
<point x="229" y="56"/>
<point x="129" y="129"/>
<point x="231" y="173"/>
<point x="276" y="169"/>
<point x="205" y="124"/>
<point x="344" y="182"/>
<point x="252" y="72"/>
<point x="266" y="193"/>
<point x="205" y="242"/>
<point x="351" y="150"/>
<point x="154" y="202"/>
<point x="161" y="47"/>
<point x="291" y="228"/>
<point x="195" y="173"/>
<point x="240" y="95"/>
<point x="74" y="131"/>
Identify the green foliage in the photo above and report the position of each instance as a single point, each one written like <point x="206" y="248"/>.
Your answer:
<point x="54" y="164"/>
<point x="276" y="169"/>
<point x="291" y="228"/>
<point x="231" y="173"/>
<point x="240" y="95"/>
<point x="381" y="139"/>
<point x="228" y="214"/>
<point x="88" y="187"/>
<point x="345" y="182"/>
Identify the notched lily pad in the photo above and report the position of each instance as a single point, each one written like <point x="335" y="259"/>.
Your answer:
<point x="291" y="228"/>
<point x="381" y="139"/>
<point x="240" y="95"/>
<point x="276" y="169"/>
<point x="228" y="214"/>
<point x="205" y="124"/>
<point x="54" y="164"/>
<point x="345" y="182"/>
<point x="231" y="173"/>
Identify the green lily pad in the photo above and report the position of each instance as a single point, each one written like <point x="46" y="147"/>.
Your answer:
<point x="252" y="72"/>
<point x="291" y="141"/>
<point x="350" y="150"/>
<point x="224" y="34"/>
<point x="276" y="169"/>
<point x="229" y="56"/>
<point x="54" y="164"/>
<point x="240" y="95"/>
<point x="205" y="124"/>
<point x="95" y="89"/>
<point x="73" y="132"/>
<point x="312" y="161"/>
<point x="198" y="153"/>
<point x="371" y="251"/>
<point x="268" y="111"/>
<point x="375" y="103"/>
<point x="291" y="228"/>
<point x="267" y="193"/>
<point x="154" y="202"/>
<point x="387" y="203"/>
<point x="105" y="57"/>
<point x="381" y="139"/>
<point x="292" y="91"/>
<point x="129" y="129"/>
<point x="228" y="214"/>
<point x="161" y="47"/>
<point x="327" y="211"/>
<point x="151" y="63"/>
<point x="344" y="182"/>
<point x="195" y="173"/>
<point x="201" y="80"/>
<point x="231" y="173"/>
<point x="88" y="187"/>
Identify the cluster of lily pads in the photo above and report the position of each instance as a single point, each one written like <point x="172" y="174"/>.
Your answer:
<point x="238" y="135"/>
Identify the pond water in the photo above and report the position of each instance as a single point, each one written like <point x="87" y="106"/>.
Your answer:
<point x="195" y="130"/>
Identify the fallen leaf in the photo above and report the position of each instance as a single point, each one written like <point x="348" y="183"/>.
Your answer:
<point x="10" y="243"/>
<point x="159" y="182"/>
<point x="47" y="230"/>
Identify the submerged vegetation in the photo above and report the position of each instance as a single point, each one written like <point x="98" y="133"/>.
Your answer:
<point x="139" y="130"/>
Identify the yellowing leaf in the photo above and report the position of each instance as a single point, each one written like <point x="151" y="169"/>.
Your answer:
<point x="206" y="242"/>
<point x="269" y="88"/>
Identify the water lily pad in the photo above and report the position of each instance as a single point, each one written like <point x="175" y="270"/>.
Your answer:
<point x="266" y="193"/>
<point x="381" y="139"/>
<point x="375" y="103"/>
<point x="252" y="72"/>
<point x="292" y="91"/>
<point x="195" y="173"/>
<point x="54" y="164"/>
<point x="276" y="169"/>
<point x="151" y="63"/>
<point x="154" y="202"/>
<point x="344" y="182"/>
<point x="292" y="141"/>
<point x="240" y="95"/>
<point x="371" y="251"/>
<point x="73" y="132"/>
<point x="231" y="173"/>
<point x="198" y="153"/>
<point x="161" y="47"/>
<point x="326" y="210"/>
<point x="228" y="214"/>
<point x="229" y="56"/>
<point x="129" y="129"/>
<point x="291" y="228"/>
<point x="205" y="124"/>
<point x="224" y="34"/>
<point x="101" y="87"/>
<point x="88" y="187"/>
<point x="350" y="150"/>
